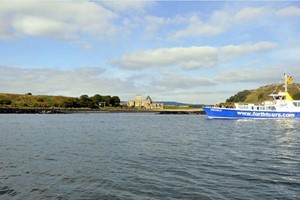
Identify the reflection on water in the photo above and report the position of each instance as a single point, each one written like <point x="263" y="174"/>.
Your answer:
<point x="287" y="140"/>
<point x="286" y="124"/>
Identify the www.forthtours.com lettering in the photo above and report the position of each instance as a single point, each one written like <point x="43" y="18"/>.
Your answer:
<point x="266" y="114"/>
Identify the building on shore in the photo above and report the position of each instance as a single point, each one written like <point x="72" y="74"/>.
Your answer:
<point x="144" y="104"/>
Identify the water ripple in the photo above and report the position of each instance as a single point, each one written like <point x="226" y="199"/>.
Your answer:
<point x="146" y="156"/>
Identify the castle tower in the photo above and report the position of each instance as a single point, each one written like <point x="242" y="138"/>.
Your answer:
<point x="138" y="97"/>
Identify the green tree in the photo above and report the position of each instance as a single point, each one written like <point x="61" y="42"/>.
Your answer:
<point x="84" y="100"/>
<point x="106" y="99"/>
<point x="115" y="101"/>
<point x="69" y="103"/>
<point x="92" y="105"/>
<point x="96" y="99"/>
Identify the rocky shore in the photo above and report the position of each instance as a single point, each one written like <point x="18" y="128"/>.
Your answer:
<point x="198" y="112"/>
<point x="30" y="111"/>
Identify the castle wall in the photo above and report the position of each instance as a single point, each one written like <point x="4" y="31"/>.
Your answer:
<point x="144" y="104"/>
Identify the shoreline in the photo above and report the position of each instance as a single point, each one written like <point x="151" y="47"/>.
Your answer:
<point x="108" y="110"/>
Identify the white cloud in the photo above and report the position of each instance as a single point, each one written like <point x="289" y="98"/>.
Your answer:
<point x="36" y="26"/>
<point x="197" y="25"/>
<point x="250" y="13"/>
<point x="125" y="6"/>
<point x="166" y="57"/>
<point x="75" y="82"/>
<point x="235" y="51"/>
<point x="61" y="20"/>
<point x="183" y="82"/>
<point x="219" y="22"/>
<point x="189" y="57"/>
<point x="268" y="74"/>
<point x="289" y="11"/>
<point x="243" y="75"/>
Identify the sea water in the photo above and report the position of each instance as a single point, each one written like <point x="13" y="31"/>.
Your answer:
<point x="147" y="156"/>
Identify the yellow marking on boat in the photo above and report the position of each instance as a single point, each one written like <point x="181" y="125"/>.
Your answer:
<point x="287" y="95"/>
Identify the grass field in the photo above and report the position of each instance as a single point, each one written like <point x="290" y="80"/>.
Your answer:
<point x="32" y="101"/>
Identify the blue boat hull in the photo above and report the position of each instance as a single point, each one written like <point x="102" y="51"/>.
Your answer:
<point x="228" y="113"/>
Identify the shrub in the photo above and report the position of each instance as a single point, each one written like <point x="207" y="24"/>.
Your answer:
<point x="5" y="102"/>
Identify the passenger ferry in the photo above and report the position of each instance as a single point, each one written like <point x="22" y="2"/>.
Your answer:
<point x="282" y="106"/>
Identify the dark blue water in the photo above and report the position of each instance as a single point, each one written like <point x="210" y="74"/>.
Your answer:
<point x="147" y="156"/>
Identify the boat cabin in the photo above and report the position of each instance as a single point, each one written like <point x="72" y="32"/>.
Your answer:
<point x="263" y="106"/>
<point x="281" y="101"/>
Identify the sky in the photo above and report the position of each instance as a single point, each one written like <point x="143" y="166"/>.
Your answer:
<point x="198" y="52"/>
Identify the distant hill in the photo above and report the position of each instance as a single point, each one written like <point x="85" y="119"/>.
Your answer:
<point x="261" y="94"/>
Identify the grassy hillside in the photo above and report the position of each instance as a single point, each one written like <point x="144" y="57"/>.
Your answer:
<point x="32" y="101"/>
<point x="46" y="101"/>
<point x="261" y="94"/>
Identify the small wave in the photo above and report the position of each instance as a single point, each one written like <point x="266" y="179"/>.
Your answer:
<point x="7" y="191"/>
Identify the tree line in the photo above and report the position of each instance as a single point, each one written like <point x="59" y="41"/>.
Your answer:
<point x="95" y="101"/>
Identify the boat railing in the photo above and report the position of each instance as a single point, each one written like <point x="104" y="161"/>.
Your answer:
<point x="244" y="106"/>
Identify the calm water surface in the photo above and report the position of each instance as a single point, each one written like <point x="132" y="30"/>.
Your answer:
<point x="147" y="156"/>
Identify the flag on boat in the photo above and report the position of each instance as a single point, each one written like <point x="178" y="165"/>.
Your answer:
<point x="289" y="79"/>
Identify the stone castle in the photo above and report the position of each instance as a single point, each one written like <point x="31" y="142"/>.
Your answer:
<point x="145" y="104"/>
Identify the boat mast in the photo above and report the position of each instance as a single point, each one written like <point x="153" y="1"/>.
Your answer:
<point x="285" y="82"/>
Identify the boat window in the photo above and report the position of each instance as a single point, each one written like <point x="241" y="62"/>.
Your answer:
<point x="270" y="108"/>
<point x="243" y="106"/>
<point x="297" y="104"/>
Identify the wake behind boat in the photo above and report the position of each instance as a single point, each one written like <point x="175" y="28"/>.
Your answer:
<point x="282" y="106"/>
